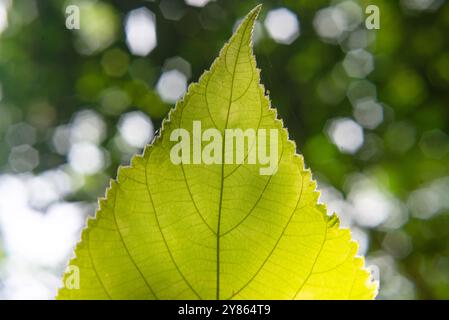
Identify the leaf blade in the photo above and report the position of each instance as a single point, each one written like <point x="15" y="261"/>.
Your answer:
<point x="219" y="231"/>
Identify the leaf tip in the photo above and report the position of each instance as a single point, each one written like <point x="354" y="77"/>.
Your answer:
<point x="250" y="18"/>
<point x="257" y="9"/>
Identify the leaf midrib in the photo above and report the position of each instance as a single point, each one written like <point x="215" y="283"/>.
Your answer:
<point x="220" y="205"/>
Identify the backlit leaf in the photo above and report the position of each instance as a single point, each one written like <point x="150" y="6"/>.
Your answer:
<point x="218" y="231"/>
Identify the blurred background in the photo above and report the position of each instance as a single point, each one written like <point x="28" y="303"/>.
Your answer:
<point x="369" y="109"/>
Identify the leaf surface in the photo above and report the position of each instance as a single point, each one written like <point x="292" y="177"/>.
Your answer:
<point x="217" y="231"/>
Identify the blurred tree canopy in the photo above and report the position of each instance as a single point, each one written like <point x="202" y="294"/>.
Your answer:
<point x="369" y="109"/>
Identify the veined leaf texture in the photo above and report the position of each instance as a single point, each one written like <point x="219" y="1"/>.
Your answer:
<point x="170" y="230"/>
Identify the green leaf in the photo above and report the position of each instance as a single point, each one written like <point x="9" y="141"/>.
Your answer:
<point x="217" y="231"/>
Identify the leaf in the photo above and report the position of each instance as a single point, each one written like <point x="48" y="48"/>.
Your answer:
<point x="217" y="231"/>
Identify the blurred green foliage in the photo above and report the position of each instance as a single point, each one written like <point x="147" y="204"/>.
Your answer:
<point x="48" y="73"/>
